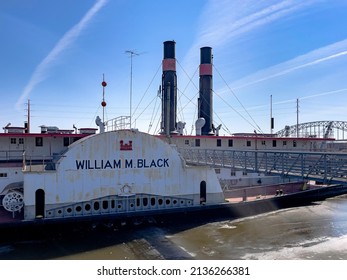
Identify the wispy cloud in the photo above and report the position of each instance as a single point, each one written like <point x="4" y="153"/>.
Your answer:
<point x="230" y="19"/>
<point x="223" y="20"/>
<point x="41" y="71"/>
<point x="315" y="57"/>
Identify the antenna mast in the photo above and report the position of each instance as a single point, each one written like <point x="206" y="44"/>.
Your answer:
<point x="297" y="117"/>
<point x="131" y="53"/>
<point x="271" y="118"/>
<point x="103" y="103"/>
<point x="28" y="128"/>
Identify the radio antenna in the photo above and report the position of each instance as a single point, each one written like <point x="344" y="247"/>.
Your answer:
<point x="131" y="53"/>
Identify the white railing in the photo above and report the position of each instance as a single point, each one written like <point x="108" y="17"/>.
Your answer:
<point x="119" y="123"/>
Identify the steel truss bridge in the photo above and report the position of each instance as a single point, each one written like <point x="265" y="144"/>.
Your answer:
<point x="328" y="168"/>
<point x="320" y="129"/>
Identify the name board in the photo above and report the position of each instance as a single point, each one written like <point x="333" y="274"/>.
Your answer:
<point x="122" y="164"/>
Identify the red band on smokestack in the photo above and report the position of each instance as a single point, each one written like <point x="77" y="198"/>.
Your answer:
<point x="169" y="64"/>
<point x="205" y="69"/>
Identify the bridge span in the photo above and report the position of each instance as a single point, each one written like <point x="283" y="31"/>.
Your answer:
<point x="320" y="129"/>
<point x="325" y="167"/>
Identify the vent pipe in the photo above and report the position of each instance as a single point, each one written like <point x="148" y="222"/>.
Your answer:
<point x="169" y="90"/>
<point x="205" y="110"/>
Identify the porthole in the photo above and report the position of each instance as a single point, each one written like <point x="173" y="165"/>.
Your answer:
<point x="145" y="201"/>
<point x="87" y="207"/>
<point x="78" y="208"/>
<point x="104" y="204"/>
<point x="96" y="206"/>
<point x="153" y="201"/>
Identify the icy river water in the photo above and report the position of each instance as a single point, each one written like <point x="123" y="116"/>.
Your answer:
<point x="315" y="232"/>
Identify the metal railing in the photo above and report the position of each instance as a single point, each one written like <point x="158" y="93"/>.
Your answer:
<point x="11" y="155"/>
<point x="319" y="166"/>
<point x="122" y="122"/>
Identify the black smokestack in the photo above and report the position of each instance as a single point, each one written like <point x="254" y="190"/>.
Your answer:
<point x="205" y="90"/>
<point x="169" y="89"/>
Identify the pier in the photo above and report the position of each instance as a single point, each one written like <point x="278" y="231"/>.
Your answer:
<point x="324" y="167"/>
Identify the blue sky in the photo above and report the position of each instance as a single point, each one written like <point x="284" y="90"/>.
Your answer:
<point x="56" y="52"/>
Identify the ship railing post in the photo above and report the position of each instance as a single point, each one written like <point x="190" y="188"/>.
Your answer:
<point x="223" y="155"/>
<point x="265" y="155"/>
<point x="23" y="163"/>
<point x="325" y="168"/>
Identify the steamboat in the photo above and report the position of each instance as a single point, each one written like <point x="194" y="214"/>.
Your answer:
<point x="121" y="174"/>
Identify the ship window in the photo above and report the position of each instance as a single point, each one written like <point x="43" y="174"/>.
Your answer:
<point x="249" y="143"/>
<point x="105" y="204"/>
<point x="39" y="141"/>
<point x="219" y="142"/>
<point x="294" y="143"/>
<point x="232" y="173"/>
<point x="96" y="205"/>
<point x="66" y="141"/>
<point x="263" y="142"/>
<point x="197" y="142"/>
<point x="3" y="175"/>
<point x="152" y="201"/>
<point x="284" y="143"/>
<point x="21" y="140"/>
<point x="274" y="143"/>
<point x="230" y="142"/>
<point x="13" y="141"/>
<point x="186" y="142"/>
<point x="145" y="201"/>
<point x="217" y="170"/>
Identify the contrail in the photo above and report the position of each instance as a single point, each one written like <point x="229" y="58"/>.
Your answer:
<point x="223" y="21"/>
<point x="287" y="67"/>
<point x="41" y="70"/>
<point x="234" y="18"/>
